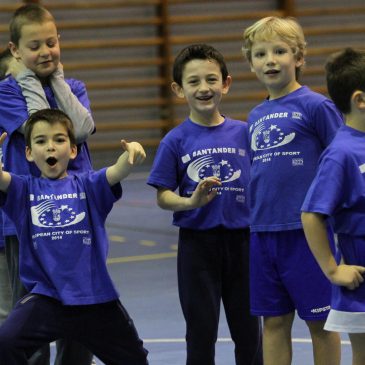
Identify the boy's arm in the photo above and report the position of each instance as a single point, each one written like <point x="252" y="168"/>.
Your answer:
<point x="315" y="230"/>
<point x="5" y="177"/>
<point x="31" y="87"/>
<point x="133" y="154"/>
<point x="202" y="195"/>
<point x="81" y="118"/>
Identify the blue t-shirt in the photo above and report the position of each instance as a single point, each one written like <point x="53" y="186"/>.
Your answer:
<point x="61" y="230"/>
<point x="13" y="113"/>
<point x="338" y="190"/>
<point x="191" y="152"/>
<point x="287" y="137"/>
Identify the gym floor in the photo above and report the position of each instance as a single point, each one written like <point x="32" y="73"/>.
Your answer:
<point x="142" y="262"/>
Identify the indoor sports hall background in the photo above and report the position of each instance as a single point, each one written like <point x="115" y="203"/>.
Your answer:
<point x="123" y="51"/>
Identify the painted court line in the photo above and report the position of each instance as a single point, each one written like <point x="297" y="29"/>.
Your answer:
<point x="156" y="256"/>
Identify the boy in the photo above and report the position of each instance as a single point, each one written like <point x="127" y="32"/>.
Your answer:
<point x="38" y="83"/>
<point x="5" y="289"/>
<point x="206" y="158"/>
<point x="71" y="294"/>
<point x="338" y="191"/>
<point x="288" y="131"/>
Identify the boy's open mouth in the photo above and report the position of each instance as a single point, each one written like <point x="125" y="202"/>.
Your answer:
<point x="51" y="161"/>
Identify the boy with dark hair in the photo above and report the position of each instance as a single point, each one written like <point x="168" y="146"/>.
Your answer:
<point x="206" y="159"/>
<point x="337" y="194"/>
<point x="38" y="82"/>
<point x="71" y="294"/>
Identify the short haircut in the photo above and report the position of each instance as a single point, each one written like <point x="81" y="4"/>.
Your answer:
<point x="345" y="74"/>
<point x="50" y="116"/>
<point x="197" y="52"/>
<point x="27" y="14"/>
<point x="287" y="29"/>
<point x="5" y="57"/>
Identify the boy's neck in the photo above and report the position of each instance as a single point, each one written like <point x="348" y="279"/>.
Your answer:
<point x="355" y="121"/>
<point x="210" y="120"/>
<point x="279" y="93"/>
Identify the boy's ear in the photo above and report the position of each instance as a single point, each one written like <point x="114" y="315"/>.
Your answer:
<point x="178" y="90"/>
<point x="299" y="62"/>
<point x="28" y="154"/>
<point x="227" y="84"/>
<point x="14" y="50"/>
<point x="358" y="98"/>
<point x="73" y="153"/>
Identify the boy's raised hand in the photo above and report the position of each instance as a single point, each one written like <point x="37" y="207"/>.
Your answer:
<point x="203" y="194"/>
<point x="136" y="153"/>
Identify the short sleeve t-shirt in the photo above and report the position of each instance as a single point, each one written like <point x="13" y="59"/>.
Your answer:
<point x="61" y="230"/>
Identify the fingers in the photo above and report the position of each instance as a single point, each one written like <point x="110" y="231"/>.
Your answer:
<point x="357" y="277"/>
<point x="136" y="153"/>
<point x="3" y="137"/>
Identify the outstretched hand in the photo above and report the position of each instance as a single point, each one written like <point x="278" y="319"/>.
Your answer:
<point x="203" y="194"/>
<point x="136" y="153"/>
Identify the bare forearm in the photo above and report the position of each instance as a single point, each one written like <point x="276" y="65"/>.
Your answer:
<point x="167" y="199"/>
<point x="316" y="233"/>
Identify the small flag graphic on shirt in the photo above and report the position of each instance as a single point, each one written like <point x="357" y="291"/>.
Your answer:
<point x="185" y="158"/>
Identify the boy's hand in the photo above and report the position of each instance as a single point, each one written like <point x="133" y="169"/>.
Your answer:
<point x="15" y="67"/>
<point x="350" y="276"/>
<point x="136" y="153"/>
<point x="2" y="138"/>
<point x="203" y="193"/>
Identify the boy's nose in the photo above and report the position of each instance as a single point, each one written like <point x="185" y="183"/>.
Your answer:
<point x="44" y="50"/>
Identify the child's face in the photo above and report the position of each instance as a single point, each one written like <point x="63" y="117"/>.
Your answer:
<point x="38" y="48"/>
<point x="275" y="65"/>
<point x="203" y="87"/>
<point x="50" y="149"/>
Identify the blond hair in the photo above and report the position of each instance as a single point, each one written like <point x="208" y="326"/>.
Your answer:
<point x="265" y="29"/>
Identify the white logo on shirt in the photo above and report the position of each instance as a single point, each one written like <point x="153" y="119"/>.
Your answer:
<point x="206" y="166"/>
<point x="272" y="137"/>
<point x="47" y="214"/>
<point x="362" y="168"/>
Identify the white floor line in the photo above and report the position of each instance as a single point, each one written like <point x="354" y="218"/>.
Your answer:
<point x="224" y="339"/>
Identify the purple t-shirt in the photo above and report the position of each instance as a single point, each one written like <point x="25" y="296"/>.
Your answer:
<point x="61" y="230"/>
<point x="13" y="113"/>
<point x="338" y="189"/>
<point x="287" y="137"/>
<point x="191" y="152"/>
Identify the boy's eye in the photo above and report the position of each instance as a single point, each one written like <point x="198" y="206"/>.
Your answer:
<point x="259" y="54"/>
<point x="281" y="51"/>
<point x="34" y="46"/>
<point x="51" y="44"/>
<point x="212" y="80"/>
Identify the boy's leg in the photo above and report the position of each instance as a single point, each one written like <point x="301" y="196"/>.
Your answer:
<point x="108" y="331"/>
<point x="71" y="352"/>
<point x="34" y="322"/>
<point x="326" y="344"/>
<point x="277" y="345"/>
<point x="199" y="281"/>
<point x="42" y="356"/>
<point x="245" y="329"/>
<point x="5" y="289"/>
<point x="358" y="348"/>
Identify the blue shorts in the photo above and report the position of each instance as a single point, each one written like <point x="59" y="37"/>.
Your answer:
<point x="285" y="277"/>
<point x="352" y="250"/>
